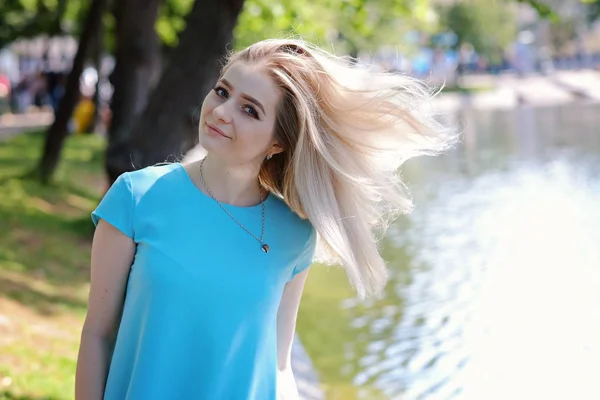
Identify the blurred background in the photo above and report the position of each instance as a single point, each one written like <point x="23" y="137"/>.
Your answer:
<point x="495" y="277"/>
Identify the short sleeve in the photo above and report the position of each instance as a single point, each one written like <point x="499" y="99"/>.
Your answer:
<point x="306" y="258"/>
<point x="116" y="206"/>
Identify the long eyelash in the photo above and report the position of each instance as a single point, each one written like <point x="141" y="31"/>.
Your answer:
<point x="217" y="87"/>
<point x="254" y="113"/>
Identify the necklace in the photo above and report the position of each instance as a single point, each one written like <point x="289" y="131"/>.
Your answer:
<point x="263" y="246"/>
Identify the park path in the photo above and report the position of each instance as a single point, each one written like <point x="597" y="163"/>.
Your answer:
<point x="12" y="124"/>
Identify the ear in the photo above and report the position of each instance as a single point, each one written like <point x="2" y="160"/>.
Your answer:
<point x="276" y="148"/>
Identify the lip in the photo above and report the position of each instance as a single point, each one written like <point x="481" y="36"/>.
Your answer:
<point x="217" y="131"/>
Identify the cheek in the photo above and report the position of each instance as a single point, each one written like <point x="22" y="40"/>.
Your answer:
<point x="207" y="106"/>
<point x="257" y="138"/>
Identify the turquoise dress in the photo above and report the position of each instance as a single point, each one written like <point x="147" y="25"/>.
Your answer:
<point x="199" y="319"/>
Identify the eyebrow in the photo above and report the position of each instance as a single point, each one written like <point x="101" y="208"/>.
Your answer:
<point x="245" y="96"/>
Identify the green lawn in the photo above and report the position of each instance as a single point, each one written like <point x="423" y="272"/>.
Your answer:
<point x="44" y="271"/>
<point x="44" y="252"/>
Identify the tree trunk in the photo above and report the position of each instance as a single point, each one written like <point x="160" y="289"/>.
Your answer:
<point x="57" y="132"/>
<point x="96" y="125"/>
<point x="137" y="54"/>
<point x="167" y="129"/>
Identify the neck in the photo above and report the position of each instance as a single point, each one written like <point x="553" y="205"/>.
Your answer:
<point x="231" y="184"/>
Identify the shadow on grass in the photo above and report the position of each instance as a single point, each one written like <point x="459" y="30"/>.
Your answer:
<point x="80" y="152"/>
<point x="46" y="230"/>
<point x="7" y="395"/>
<point x="43" y="303"/>
<point x="56" y="250"/>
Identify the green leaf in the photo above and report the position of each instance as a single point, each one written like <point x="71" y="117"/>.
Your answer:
<point x="544" y="10"/>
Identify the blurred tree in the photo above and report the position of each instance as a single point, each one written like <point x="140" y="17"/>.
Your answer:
<point x="368" y="25"/>
<point x="97" y="57"/>
<point x="22" y="19"/>
<point x="27" y="19"/>
<point x="487" y="26"/>
<point x="58" y="130"/>
<point x="543" y="9"/>
<point x="171" y="20"/>
<point x="137" y="58"/>
<point x="261" y="19"/>
<point x="562" y="33"/>
<point x="132" y="36"/>
<point x="351" y="25"/>
<point x="571" y="19"/>
<point x="593" y="10"/>
<point x="166" y="127"/>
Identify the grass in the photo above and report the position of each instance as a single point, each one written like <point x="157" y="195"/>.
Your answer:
<point x="466" y="89"/>
<point x="44" y="276"/>
<point x="44" y="253"/>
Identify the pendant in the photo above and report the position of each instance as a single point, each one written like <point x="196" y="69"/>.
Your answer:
<point x="265" y="248"/>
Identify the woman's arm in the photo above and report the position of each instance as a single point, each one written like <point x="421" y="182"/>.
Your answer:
<point x="112" y="256"/>
<point x="286" y="326"/>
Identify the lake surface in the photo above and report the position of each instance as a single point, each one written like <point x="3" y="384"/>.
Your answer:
<point x="495" y="276"/>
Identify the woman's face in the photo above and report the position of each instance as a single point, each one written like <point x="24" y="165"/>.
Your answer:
<point x="238" y="116"/>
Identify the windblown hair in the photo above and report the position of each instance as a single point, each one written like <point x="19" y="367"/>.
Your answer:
<point x="345" y="130"/>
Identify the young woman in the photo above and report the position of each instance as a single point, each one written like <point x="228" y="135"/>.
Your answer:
<point x="198" y="268"/>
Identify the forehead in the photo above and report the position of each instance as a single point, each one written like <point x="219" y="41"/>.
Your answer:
<point x="252" y="80"/>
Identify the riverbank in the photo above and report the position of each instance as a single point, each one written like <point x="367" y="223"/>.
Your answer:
<point x="511" y="91"/>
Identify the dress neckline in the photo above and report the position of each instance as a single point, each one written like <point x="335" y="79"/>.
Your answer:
<point x="206" y="197"/>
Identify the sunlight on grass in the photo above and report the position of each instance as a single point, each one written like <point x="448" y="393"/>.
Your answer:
<point x="44" y="265"/>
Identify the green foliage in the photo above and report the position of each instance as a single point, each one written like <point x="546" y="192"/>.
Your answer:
<point x="544" y="10"/>
<point x="262" y="19"/>
<point x="171" y="20"/>
<point x="30" y="18"/>
<point x="592" y="10"/>
<point x="488" y="26"/>
<point x="549" y="8"/>
<point x="368" y="25"/>
<point x="349" y="25"/>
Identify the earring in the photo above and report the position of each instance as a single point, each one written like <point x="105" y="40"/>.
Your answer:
<point x="269" y="157"/>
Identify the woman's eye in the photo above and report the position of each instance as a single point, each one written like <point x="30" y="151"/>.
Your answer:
<point x="250" y="111"/>
<point x="221" y="92"/>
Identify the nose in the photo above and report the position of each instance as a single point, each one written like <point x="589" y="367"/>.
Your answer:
<point x="221" y="113"/>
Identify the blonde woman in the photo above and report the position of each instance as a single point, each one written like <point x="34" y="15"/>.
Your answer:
<point x="198" y="268"/>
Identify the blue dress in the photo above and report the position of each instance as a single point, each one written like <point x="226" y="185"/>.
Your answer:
<point x="199" y="319"/>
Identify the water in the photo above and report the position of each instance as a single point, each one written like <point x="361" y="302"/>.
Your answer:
<point x="495" y="289"/>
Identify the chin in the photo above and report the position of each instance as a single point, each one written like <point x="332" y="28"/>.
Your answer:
<point x="211" y="144"/>
<point x="205" y="142"/>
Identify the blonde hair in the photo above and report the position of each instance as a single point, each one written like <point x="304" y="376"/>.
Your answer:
<point x="345" y="130"/>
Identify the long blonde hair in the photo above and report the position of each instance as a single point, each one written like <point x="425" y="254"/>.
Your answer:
<point x="346" y="131"/>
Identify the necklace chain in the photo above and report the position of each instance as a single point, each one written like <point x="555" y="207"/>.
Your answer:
<point x="264" y="246"/>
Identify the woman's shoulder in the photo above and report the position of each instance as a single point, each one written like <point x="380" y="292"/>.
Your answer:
<point x="155" y="176"/>
<point x="153" y="172"/>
